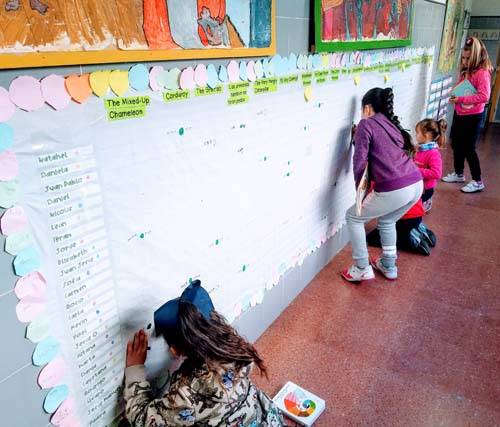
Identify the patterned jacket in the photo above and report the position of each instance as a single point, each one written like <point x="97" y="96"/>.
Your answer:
<point x="225" y="397"/>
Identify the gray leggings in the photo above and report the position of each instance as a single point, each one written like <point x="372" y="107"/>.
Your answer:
<point x="387" y="208"/>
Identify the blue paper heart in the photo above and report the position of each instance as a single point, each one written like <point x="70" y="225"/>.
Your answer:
<point x="243" y="71"/>
<point x="138" y="77"/>
<point x="6" y="136"/>
<point x="213" y="78"/>
<point x="223" y="74"/>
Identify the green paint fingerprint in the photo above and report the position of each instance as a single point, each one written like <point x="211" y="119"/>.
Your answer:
<point x="142" y="235"/>
<point x="265" y="158"/>
<point x="217" y="242"/>
<point x="190" y="280"/>
<point x="181" y="131"/>
<point x="244" y="268"/>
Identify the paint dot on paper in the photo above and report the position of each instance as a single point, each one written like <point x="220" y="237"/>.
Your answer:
<point x="217" y="242"/>
<point x="190" y="280"/>
<point x="97" y="311"/>
<point x="265" y="158"/>
<point x="244" y="268"/>
<point x="181" y="131"/>
<point x="142" y="235"/>
<point x="80" y="205"/>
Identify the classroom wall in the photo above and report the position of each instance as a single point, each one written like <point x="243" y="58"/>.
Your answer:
<point x="21" y="397"/>
<point x="485" y="8"/>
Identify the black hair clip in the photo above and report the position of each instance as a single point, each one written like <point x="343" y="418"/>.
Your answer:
<point x="468" y="42"/>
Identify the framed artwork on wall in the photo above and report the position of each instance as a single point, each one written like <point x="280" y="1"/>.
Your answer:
<point x="452" y="35"/>
<point x="39" y="33"/>
<point x="362" y="24"/>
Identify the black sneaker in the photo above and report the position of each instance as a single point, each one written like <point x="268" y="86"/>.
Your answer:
<point x="427" y="234"/>
<point x="424" y="248"/>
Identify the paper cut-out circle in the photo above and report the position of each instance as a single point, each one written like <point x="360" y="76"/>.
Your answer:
<point x="186" y="80"/>
<point x="54" y="92"/>
<point x="9" y="167"/>
<point x="7" y="108"/>
<point x="138" y="77"/>
<point x="153" y="73"/>
<point x="26" y="93"/>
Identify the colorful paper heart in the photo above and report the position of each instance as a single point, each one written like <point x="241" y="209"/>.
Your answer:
<point x="99" y="82"/>
<point x="138" y="77"/>
<point x="186" y="80"/>
<point x="233" y="71"/>
<point x="308" y="93"/>
<point x="310" y="62"/>
<point x="7" y="108"/>
<point x="6" y="136"/>
<point x="9" y="167"/>
<point x="9" y="193"/>
<point x="78" y="87"/>
<point x="118" y="80"/>
<point x="55" y="397"/>
<point x="251" y="71"/>
<point x="169" y="79"/>
<point x="266" y="67"/>
<point x="28" y="309"/>
<point x="31" y="285"/>
<point x="153" y="74"/>
<point x="45" y="351"/>
<point x="326" y="61"/>
<point x="223" y="77"/>
<point x="65" y="410"/>
<point x="212" y="77"/>
<point x="54" y="92"/>
<point x="13" y="220"/>
<point x="258" y="69"/>
<point x="357" y="79"/>
<point x="17" y="242"/>
<point x="292" y="63"/>
<point x="243" y="71"/>
<point x="26" y="93"/>
<point x="26" y="261"/>
<point x="38" y="329"/>
<point x="52" y="374"/>
<point x="200" y="75"/>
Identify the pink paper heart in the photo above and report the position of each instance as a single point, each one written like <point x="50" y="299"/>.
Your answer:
<point x="54" y="92"/>
<point x="29" y="308"/>
<point x="251" y="71"/>
<point x="233" y="71"/>
<point x="26" y="93"/>
<point x="187" y="79"/>
<point x="52" y="374"/>
<point x="7" y="108"/>
<point x="9" y="167"/>
<point x="66" y="409"/>
<point x="201" y="75"/>
<point x="33" y="285"/>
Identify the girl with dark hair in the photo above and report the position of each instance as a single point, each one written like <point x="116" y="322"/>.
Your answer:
<point x="430" y="136"/>
<point x="212" y="387"/>
<point x="474" y="66"/>
<point x="383" y="145"/>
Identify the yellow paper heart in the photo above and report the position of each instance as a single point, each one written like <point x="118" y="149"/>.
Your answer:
<point x="308" y="93"/>
<point x="118" y="80"/>
<point x="386" y="78"/>
<point x="99" y="82"/>
<point x="357" y="78"/>
<point x="326" y="60"/>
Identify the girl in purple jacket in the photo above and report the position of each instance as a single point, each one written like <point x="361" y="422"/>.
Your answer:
<point x="383" y="144"/>
<point x="475" y="66"/>
<point x="430" y="136"/>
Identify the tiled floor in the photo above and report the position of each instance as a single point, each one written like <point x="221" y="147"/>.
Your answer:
<point x="421" y="351"/>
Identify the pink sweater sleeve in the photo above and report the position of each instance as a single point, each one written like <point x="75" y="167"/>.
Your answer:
<point x="434" y="166"/>
<point x="481" y="80"/>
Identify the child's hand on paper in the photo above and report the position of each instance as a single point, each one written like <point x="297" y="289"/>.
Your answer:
<point x="137" y="349"/>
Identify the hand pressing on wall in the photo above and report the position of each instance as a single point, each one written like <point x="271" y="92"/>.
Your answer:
<point x="137" y="349"/>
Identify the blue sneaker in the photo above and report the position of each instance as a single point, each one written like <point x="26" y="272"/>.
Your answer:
<point x="427" y="234"/>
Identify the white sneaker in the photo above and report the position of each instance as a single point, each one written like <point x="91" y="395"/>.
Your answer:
<point x="473" y="187"/>
<point x="453" y="177"/>
<point x="356" y="274"/>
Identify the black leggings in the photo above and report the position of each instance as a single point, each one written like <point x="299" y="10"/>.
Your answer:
<point x="464" y="135"/>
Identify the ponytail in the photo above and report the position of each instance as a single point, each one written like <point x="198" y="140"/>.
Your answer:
<point x="437" y="129"/>
<point x="382" y="101"/>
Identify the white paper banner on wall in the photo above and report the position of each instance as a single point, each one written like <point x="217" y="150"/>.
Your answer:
<point x="126" y="212"/>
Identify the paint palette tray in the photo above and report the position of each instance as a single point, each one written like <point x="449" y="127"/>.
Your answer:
<point x="299" y="404"/>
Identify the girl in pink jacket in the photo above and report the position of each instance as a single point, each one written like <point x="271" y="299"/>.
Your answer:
<point x="475" y="66"/>
<point x="430" y="136"/>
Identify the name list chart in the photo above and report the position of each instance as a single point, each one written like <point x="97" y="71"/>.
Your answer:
<point x="74" y="206"/>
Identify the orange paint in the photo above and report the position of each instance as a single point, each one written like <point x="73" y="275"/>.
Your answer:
<point x="156" y="26"/>
<point x="217" y="8"/>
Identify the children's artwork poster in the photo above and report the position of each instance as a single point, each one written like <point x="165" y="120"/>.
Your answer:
<point x="362" y="24"/>
<point x="55" y="32"/>
<point x="452" y="35"/>
<point x="122" y="190"/>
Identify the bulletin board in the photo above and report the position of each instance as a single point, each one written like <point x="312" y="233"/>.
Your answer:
<point x="41" y="33"/>
<point x="120" y="194"/>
